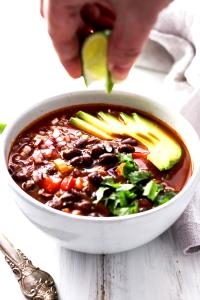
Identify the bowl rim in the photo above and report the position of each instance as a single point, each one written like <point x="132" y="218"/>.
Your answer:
<point x="79" y="93"/>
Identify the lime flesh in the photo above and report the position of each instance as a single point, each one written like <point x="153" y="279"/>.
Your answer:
<point x="94" y="59"/>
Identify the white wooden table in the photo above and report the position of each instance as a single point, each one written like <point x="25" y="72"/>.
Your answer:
<point x="29" y="72"/>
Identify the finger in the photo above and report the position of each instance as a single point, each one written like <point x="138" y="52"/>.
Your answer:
<point x="63" y="23"/>
<point x="89" y="13"/>
<point x="127" y="40"/>
<point x="98" y="16"/>
<point x="42" y="8"/>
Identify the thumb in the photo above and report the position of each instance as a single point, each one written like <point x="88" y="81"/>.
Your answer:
<point x="127" y="40"/>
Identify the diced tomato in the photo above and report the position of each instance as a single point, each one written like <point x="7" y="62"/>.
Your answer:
<point x="51" y="184"/>
<point x="79" y="183"/>
<point x="141" y="155"/>
<point x="68" y="183"/>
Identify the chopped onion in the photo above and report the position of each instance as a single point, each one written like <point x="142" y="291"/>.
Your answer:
<point x="37" y="156"/>
<point x="54" y="121"/>
<point x="26" y="150"/>
<point x="56" y="133"/>
<point x="47" y="153"/>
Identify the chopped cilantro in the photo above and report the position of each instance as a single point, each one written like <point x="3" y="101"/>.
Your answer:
<point x="161" y="199"/>
<point x="152" y="189"/>
<point x="130" y="164"/>
<point x="122" y="198"/>
<point x="109" y="181"/>
<point x="123" y="211"/>
<point x="100" y="193"/>
<point x="138" y="176"/>
<point x="125" y="187"/>
<point x="125" y="157"/>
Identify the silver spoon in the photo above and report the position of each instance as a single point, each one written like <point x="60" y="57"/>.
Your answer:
<point x="35" y="284"/>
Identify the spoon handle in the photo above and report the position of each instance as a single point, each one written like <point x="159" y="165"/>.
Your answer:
<point x="8" y="249"/>
<point x="35" y="284"/>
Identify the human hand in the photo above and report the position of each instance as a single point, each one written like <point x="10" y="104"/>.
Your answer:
<point x="130" y="20"/>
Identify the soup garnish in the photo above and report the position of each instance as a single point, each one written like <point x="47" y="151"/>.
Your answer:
<point x="96" y="164"/>
<point x="164" y="150"/>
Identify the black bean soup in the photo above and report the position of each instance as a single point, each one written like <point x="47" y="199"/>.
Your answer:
<point x="73" y="171"/>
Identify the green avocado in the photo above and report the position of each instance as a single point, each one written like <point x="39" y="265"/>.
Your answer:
<point x="164" y="150"/>
<point x="92" y="129"/>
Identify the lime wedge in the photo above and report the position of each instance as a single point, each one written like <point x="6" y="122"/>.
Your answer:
<point x="94" y="59"/>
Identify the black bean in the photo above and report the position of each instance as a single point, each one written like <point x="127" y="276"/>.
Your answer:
<point x="70" y="197"/>
<point x="108" y="158"/>
<point x="126" y="148"/>
<point x="130" y="141"/>
<point x="55" y="203"/>
<point x="109" y="148"/>
<point x="70" y="153"/>
<point x="102" y="210"/>
<point x="76" y="161"/>
<point x="86" y="189"/>
<point x="97" y="150"/>
<point x="145" y="204"/>
<point x="87" y="160"/>
<point x="78" y="194"/>
<point x="80" y="143"/>
<point x="94" y="178"/>
<point x="67" y="204"/>
<point x="50" y="169"/>
<point x="81" y="161"/>
<point x="83" y="205"/>
<point x="93" y="140"/>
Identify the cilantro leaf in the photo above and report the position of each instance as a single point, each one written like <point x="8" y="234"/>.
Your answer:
<point x="161" y="199"/>
<point x="125" y="157"/>
<point x="100" y="193"/>
<point x="152" y="189"/>
<point x="2" y="126"/>
<point x="138" y="176"/>
<point x="123" y="211"/>
<point x="134" y="207"/>
<point x="130" y="164"/>
<point x="122" y="199"/>
<point x="109" y="181"/>
<point x="125" y="187"/>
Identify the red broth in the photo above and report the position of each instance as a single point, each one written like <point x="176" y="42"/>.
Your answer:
<point x="64" y="167"/>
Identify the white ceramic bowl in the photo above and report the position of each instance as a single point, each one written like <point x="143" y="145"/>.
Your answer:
<point x="97" y="234"/>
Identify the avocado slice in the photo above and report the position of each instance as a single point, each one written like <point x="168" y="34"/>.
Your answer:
<point x="113" y="122"/>
<point x="95" y="122"/>
<point x="164" y="150"/>
<point x="83" y="125"/>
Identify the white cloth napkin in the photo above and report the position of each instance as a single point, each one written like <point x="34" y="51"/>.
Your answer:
<point x="174" y="48"/>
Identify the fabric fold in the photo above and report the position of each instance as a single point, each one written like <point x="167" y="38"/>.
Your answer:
<point x="174" y="48"/>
